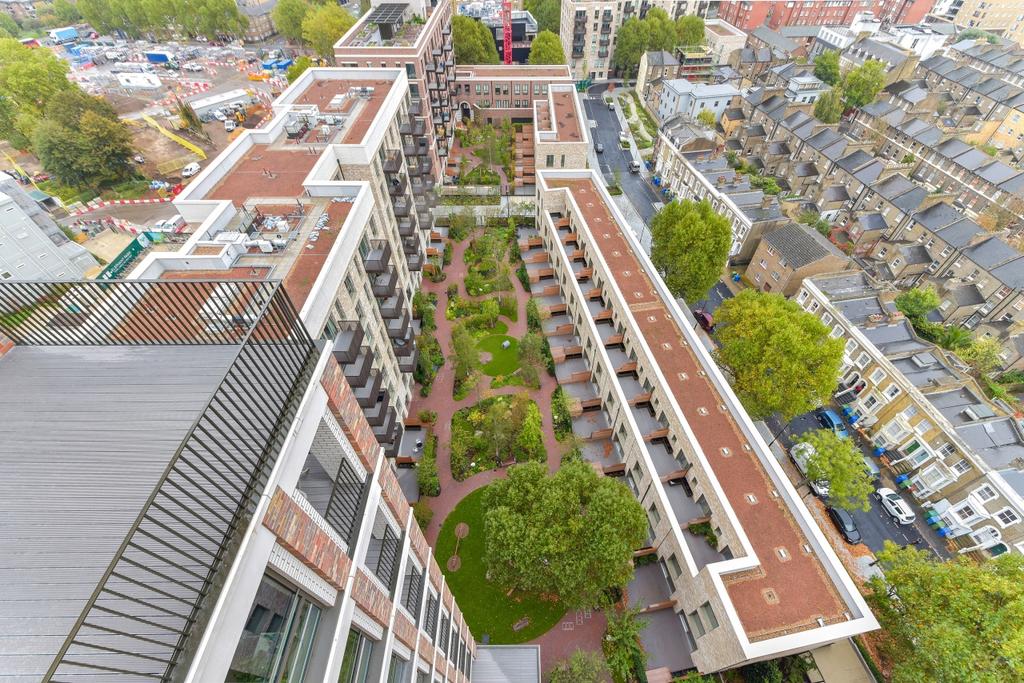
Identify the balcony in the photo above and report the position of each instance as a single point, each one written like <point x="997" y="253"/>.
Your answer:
<point x="382" y="555"/>
<point x="408" y="363"/>
<point x="366" y="395"/>
<point x="414" y="127"/>
<point x="335" y="490"/>
<point x="398" y="328"/>
<point x="377" y="258"/>
<point x="447" y="47"/>
<point x="406" y="226"/>
<point x="348" y="340"/>
<point x="393" y="162"/>
<point x="357" y="372"/>
<point x="377" y="411"/>
<point x="415" y="149"/>
<point x="387" y="431"/>
<point x="425" y="202"/>
<point x="415" y="262"/>
<point x="398" y="185"/>
<point x="602" y="53"/>
<point x="606" y="29"/>
<point x="393" y="306"/>
<point x="425" y="185"/>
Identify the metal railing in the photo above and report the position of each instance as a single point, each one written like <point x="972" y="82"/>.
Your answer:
<point x="150" y="608"/>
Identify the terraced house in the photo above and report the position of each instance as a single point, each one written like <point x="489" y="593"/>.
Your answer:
<point x="956" y="452"/>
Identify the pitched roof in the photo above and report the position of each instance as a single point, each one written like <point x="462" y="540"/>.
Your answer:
<point x="800" y="245"/>
<point x="773" y="39"/>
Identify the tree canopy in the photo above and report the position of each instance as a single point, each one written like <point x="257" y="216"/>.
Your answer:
<point x="838" y="461"/>
<point x="654" y="32"/>
<point x="548" y="14"/>
<point x="139" y="17"/>
<point x="917" y="302"/>
<point x="826" y="67"/>
<point x="863" y="83"/>
<point x="580" y="667"/>
<point x="982" y="355"/>
<point x="29" y="79"/>
<point x="8" y="27"/>
<point x="957" y="620"/>
<point x="706" y="118"/>
<point x="474" y="42"/>
<point x="323" y="26"/>
<point x="690" y="30"/>
<point x="829" y="107"/>
<point x="298" y="67"/>
<point x="570" y="535"/>
<point x="781" y="358"/>
<point x="546" y="49"/>
<point x="689" y="245"/>
<point x="288" y="16"/>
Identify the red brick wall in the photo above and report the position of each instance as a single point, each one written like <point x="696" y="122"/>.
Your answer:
<point x="405" y="630"/>
<point x="370" y="598"/>
<point x="393" y="496"/>
<point x="426" y="649"/>
<point x="349" y="414"/>
<point x="418" y="543"/>
<point x="296" y="531"/>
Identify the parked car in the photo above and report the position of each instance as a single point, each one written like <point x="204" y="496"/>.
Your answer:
<point x="138" y="158"/>
<point x="599" y="148"/>
<point x="829" y="419"/>
<point x="219" y="115"/>
<point x="895" y="506"/>
<point x="705" y="320"/>
<point x="230" y="125"/>
<point x="611" y="105"/>
<point x="190" y="170"/>
<point x="845" y="524"/>
<point x="634" y="167"/>
<point x="801" y="454"/>
<point x="193" y="67"/>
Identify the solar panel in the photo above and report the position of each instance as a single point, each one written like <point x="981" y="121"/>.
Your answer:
<point x="389" y="13"/>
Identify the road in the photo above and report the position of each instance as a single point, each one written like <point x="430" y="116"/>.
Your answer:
<point x="141" y="214"/>
<point x="640" y="193"/>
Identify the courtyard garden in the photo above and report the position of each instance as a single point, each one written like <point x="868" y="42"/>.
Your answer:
<point x="495" y="431"/>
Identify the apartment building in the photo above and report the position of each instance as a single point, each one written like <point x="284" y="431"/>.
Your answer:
<point x="333" y="197"/>
<point x="492" y="93"/>
<point x="32" y="246"/>
<point x="680" y="96"/>
<point x="723" y="39"/>
<point x="1004" y="17"/>
<point x="652" y="408"/>
<point x="749" y="14"/>
<point x="948" y="446"/>
<point x="250" y="526"/>
<point x="561" y="137"/>
<point x="259" y="15"/>
<point x="416" y="37"/>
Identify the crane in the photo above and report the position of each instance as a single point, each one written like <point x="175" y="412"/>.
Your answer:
<point x="506" y="26"/>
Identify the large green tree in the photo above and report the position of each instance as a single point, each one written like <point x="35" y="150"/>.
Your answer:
<point x="654" y="32"/>
<point x="288" y="16"/>
<point x="548" y="13"/>
<point x="474" y="42"/>
<point x="546" y="49"/>
<point x="838" y="461"/>
<point x="163" y="17"/>
<point x="580" y="667"/>
<point x="324" y="26"/>
<point x="465" y="357"/>
<point x="863" y="83"/>
<point x="918" y="302"/>
<point x="8" y="27"/>
<point x="826" y="67"/>
<point x="957" y="620"/>
<point x="570" y="535"/>
<point x="29" y="79"/>
<point x="829" y="107"/>
<point x="689" y="246"/>
<point x="298" y="68"/>
<point x="690" y="30"/>
<point x="781" y="358"/>
<point x="66" y="12"/>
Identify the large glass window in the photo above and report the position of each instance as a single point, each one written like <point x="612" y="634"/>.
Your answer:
<point x="278" y="635"/>
<point x="396" y="673"/>
<point x="358" y="651"/>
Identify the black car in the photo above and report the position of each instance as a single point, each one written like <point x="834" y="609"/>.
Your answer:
<point x="844" y="522"/>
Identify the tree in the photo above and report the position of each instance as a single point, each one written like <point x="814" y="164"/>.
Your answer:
<point x="532" y="359"/>
<point x="781" y="358"/>
<point x="955" y="620"/>
<point x="28" y="80"/>
<point x="654" y="32"/>
<point x="918" y="302"/>
<point x="983" y="355"/>
<point x="8" y="27"/>
<point x="863" y="83"/>
<point x="623" y="654"/>
<point x="580" y="667"/>
<point x="838" y="461"/>
<point x="66" y="12"/>
<point x="288" y="16"/>
<point x="529" y="444"/>
<point x="465" y="357"/>
<point x="706" y="118"/>
<point x="298" y="67"/>
<point x="324" y="26"/>
<point x="571" y="534"/>
<point x="829" y="107"/>
<point x="489" y="312"/>
<point x="500" y="429"/>
<point x="826" y="67"/>
<point x="690" y="243"/>
<point x="546" y="12"/>
<point x="474" y="42"/>
<point x="546" y="49"/>
<point x="690" y="30"/>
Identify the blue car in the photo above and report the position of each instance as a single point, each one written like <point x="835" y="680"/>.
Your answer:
<point x="830" y="420"/>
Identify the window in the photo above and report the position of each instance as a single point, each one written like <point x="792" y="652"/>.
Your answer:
<point x="655" y="515"/>
<point x="763" y="263"/>
<point x="708" y="615"/>
<point x="862" y="360"/>
<point x="922" y="427"/>
<point x="1007" y="516"/>
<point x="673" y="566"/>
<point x="397" y="670"/>
<point x="985" y="493"/>
<point x="962" y="466"/>
<point x="355" y="667"/>
<point x="965" y="512"/>
<point x="696" y="626"/>
<point x="877" y="375"/>
<point x="891" y="391"/>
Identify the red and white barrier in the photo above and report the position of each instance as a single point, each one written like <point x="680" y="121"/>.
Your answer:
<point x="93" y="205"/>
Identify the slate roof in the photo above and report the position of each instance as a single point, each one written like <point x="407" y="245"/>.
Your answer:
<point x="938" y="215"/>
<point x="661" y="58"/>
<point x="854" y="160"/>
<point x="773" y="39"/>
<point x="800" y="245"/>
<point x="873" y="221"/>
<point x="991" y="253"/>
<point x="959" y="234"/>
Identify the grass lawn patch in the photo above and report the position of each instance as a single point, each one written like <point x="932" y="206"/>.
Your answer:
<point x="487" y="608"/>
<point x="503" y="361"/>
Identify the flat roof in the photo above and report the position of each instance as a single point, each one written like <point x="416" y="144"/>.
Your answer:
<point x="515" y="71"/>
<point x="85" y="436"/>
<point x="566" y="122"/>
<point x="781" y="595"/>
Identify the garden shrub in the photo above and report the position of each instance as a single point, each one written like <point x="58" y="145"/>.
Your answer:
<point x="423" y="310"/>
<point x="426" y="470"/>
<point x="423" y="513"/>
<point x="494" y="430"/>
<point x="430" y="359"/>
<point x="560" y="416"/>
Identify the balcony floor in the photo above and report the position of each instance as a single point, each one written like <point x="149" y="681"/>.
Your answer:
<point x="666" y="642"/>
<point x="649" y="586"/>
<point x="573" y="365"/>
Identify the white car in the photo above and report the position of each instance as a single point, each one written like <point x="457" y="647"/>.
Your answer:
<point x="190" y="170"/>
<point x="801" y="453"/>
<point x="219" y="115"/>
<point x="230" y="125"/>
<point x="193" y="67"/>
<point x="895" y="506"/>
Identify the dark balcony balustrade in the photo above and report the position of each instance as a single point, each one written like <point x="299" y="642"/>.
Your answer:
<point x="386" y="431"/>
<point x="404" y="347"/>
<point x="413" y="169"/>
<point x="393" y="162"/>
<point x="416" y="108"/>
<point x="602" y="53"/>
<point x="426" y="219"/>
<point x="415" y="262"/>
<point x="377" y="412"/>
<point x="604" y="42"/>
<point x="426" y="201"/>
<point x="382" y="555"/>
<point x="425" y="185"/>
<point x="393" y="306"/>
<point x="408" y="363"/>
<point x="412" y="245"/>
<point x="447" y="47"/>
<point x="348" y="340"/>
<point x="398" y="328"/>
<point x="402" y="207"/>
<point x="378" y="257"/>
<point x="606" y="29"/>
<point x="406" y="226"/>
<point x="435" y="53"/>
<point x="383" y="285"/>
<point x="577" y="52"/>
<point x="447" y="30"/>
<point x="397" y="185"/>
<point x="415" y="149"/>
<point x="414" y="127"/>
<point x="357" y="372"/>
<point x="366" y="395"/>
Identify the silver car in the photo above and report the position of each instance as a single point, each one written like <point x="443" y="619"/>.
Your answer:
<point x="895" y="507"/>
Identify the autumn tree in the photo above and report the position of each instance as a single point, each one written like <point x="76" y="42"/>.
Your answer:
<point x="571" y="534"/>
<point x="838" y="461"/>
<point x="780" y="358"/>
<point x="862" y="84"/>
<point x="324" y="26"/>
<point x="474" y="42"/>
<point x="546" y="49"/>
<point x="689" y="246"/>
<point x="826" y="67"/>
<point x="829" y="107"/>
<point x="954" y="620"/>
<point x="288" y="16"/>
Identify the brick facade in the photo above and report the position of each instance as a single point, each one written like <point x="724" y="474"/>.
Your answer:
<point x="393" y="496"/>
<point x="347" y="411"/>
<point x="405" y="630"/>
<point x="303" y="537"/>
<point x="370" y="598"/>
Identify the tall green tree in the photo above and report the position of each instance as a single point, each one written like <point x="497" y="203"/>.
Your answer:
<point x="532" y="359"/>
<point x="474" y="42"/>
<point x="546" y="49"/>
<point x="983" y="355"/>
<point x="288" y="16"/>
<point x="571" y="534"/>
<point x="623" y="653"/>
<point x="324" y="26"/>
<point x="298" y="68"/>
<point x="690" y="30"/>
<point x="654" y="32"/>
<point x="706" y="118"/>
<point x="838" y="461"/>
<point x="8" y="27"/>
<point x="548" y="14"/>
<point x="66" y="12"/>
<point x="28" y="80"/>
<point x="863" y="83"/>
<point x="826" y="67"/>
<point x="829" y="107"/>
<point x="465" y="357"/>
<point x="918" y="302"/>
<point x="689" y="246"/>
<point x="955" y="620"/>
<point x="781" y="359"/>
<point x="529" y="444"/>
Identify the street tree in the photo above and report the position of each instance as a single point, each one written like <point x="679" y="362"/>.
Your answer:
<point x="546" y="49"/>
<point x="474" y="42"/>
<point x="838" y="461"/>
<point x="955" y="620"/>
<point x="706" y="118"/>
<point x="690" y="30"/>
<point x="781" y="359"/>
<point x="288" y="16"/>
<point x="323" y="26"/>
<point x="689" y="246"/>
<point x="918" y="302"/>
<point x="826" y="67"/>
<point x="863" y="83"/>
<point x="581" y="666"/>
<point x="829" y="107"/>
<point x="571" y="534"/>
<point x="546" y="12"/>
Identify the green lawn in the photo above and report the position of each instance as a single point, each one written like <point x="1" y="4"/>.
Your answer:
<point x="487" y="608"/>
<point x="503" y="361"/>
